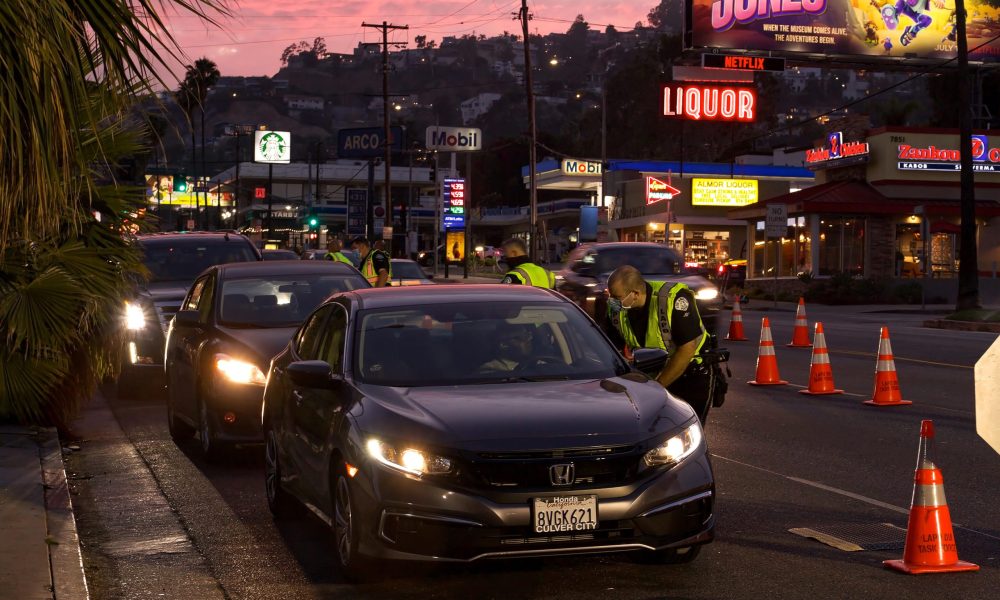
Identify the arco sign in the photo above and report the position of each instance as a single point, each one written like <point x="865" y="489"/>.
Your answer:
<point x="700" y="102"/>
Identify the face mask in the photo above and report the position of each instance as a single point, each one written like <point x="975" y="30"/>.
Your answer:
<point x="618" y="305"/>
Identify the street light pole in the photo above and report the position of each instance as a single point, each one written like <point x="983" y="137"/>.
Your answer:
<point x="533" y="134"/>
<point x="968" y="268"/>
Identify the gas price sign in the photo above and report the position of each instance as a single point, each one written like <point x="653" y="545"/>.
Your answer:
<point x="454" y="203"/>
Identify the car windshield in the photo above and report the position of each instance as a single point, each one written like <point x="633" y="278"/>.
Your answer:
<point x="280" y="300"/>
<point x="658" y="261"/>
<point x="480" y="343"/>
<point x="184" y="259"/>
<point x="280" y="255"/>
<point x="407" y="270"/>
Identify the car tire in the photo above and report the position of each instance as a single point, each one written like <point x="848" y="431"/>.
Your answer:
<point x="354" y="567"/>
<point x="211" y="448"/>
<point x="179" y="429"/>
<point x="672" y="556"/>
<point x="279" y="502"/>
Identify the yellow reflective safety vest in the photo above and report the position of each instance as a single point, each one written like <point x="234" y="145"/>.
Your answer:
<point x="532" y="274"/>
<point x="661" y="306"/>
<point x="368" y="268"/>
<point x="338" y="257"/>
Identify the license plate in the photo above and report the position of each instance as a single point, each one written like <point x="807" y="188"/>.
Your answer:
<point x="564" y="513"/>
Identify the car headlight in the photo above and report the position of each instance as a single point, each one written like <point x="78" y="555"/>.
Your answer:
<point x="676" y="448"/>
<point x="135" y="317"/>
<point x="408" y="460"/>
<point x="708" y="293"/>
<point x="239" y="371"/>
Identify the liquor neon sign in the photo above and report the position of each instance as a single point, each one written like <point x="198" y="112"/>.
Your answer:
<point x="709" y="102"/>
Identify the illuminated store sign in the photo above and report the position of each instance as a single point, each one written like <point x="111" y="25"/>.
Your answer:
<point x="657" y="191"/>
<point x="932" y="158"/>
<point x="723" y="192"/>
<point x="453" y="196"/>
<point x="709" y="102"/>
<point x="571" y="166"/>
<point x="836" y="151"/>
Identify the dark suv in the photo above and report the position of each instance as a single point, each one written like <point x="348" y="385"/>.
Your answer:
<point x="174" y="261"/>
<point x="584" y="277"/>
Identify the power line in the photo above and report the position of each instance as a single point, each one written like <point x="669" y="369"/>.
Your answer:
<point x="454" y="13"/>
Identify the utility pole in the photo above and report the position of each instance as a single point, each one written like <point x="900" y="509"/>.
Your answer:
<point x="385" y="27"/>
<point x="525" y="16"/>
<point x="968" y="255"/>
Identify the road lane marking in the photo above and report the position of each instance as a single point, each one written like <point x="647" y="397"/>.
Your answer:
<point x="845" y="493"/>
<point x="938" y="406"/>
<point x="904" y="359"/>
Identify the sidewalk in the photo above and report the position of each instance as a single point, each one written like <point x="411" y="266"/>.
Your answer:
<point x="40" y="551"/>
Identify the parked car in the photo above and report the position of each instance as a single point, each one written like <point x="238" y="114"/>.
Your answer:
<point x="407" y="272"/>
<point x="320" y="254"/>
<point x="584" y="277"/>
<point x="219" y="345"/>
<point x="731" y="273"/>
<point x="461" y="423"/>
<point x="279" y="255"/>
<point x="174" y="261"/>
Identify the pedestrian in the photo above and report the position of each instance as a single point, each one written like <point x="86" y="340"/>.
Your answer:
<point x="334" y="252"/>
<point x="521" y="271"/>
<point x="376" y="266"/>
<point x="654" y="314"/>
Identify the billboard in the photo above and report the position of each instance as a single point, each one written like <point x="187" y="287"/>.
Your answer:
<point x="455" y="246"/>
<point x="160" y="191"/>
<point x="723" y="192"/>
<point x="918" y="29"/>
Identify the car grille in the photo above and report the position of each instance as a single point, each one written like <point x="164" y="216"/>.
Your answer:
<point x="594" y="467"/>
<point x="165" y="311"/>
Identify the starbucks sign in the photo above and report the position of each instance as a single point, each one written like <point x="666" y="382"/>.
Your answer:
<point x="272" y="147"/>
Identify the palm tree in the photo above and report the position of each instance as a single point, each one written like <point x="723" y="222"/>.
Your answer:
<point x="201" y="76"/>
<point x="187" y="99"/>
<point x="72" y="72"/>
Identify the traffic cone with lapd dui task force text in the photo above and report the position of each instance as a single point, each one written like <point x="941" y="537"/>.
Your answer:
<point x="930" y="541"/>
<point x="800" y="335"/>
<point x="767" y="362"/>
<point x="736" y="325"/>
<point x="886" y="391"/>
<point x="820" y="371"/>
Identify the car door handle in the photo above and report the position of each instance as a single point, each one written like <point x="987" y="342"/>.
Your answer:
<point x="297" y="395"/>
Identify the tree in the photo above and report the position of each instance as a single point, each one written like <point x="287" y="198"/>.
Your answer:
<point x="318" y="49"/>
<point x="67" y="132"/>
<point x="421" y="41"/>
<point x="293" y="50"/>
<point x="199" y="78"/>
<point x="667" y="16"/>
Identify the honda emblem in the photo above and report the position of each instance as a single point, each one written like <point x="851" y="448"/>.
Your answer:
<point x="562" y="474"/>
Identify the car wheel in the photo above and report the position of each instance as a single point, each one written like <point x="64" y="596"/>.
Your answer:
<point x="211" y="447"/>
<point x="346" y="533"/>
<point x="179" y="429"/>
<point x="672" y="556"/>
<point x="278" y="500"/>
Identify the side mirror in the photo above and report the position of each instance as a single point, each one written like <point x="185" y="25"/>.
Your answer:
<point x="187" y="318"/>
<point x="312" y="373"/>
<point x="649" y="360"/>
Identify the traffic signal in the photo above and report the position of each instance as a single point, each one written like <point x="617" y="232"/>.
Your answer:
<point x="313" y="221"/>
<point x="180" y="183"/>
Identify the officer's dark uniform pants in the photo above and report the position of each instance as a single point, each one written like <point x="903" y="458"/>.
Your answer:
<point x="693" y="387"/>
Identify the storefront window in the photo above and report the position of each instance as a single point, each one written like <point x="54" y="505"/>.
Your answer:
<point x="707" y="248"/>
<point x="841" y="246"/>
<point x="790" y="256"/>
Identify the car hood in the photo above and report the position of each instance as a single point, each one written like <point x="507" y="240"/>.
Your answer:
<point x="260" y="345"/>
<point x="167" y="290"/>
<point x="522" y="416"/>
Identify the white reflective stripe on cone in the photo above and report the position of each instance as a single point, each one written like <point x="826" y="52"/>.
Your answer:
<point x="767" y="351"/>
<point x="885" y="365"/>
<point x="820" y="358"/>
<point x="929" y="495"/>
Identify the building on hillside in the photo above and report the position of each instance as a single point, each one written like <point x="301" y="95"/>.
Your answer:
<point x="477" y="106"/>
<point x="297" y="102"/>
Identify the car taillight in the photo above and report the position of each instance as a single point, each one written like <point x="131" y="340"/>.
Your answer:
<point x="722" y="269"/>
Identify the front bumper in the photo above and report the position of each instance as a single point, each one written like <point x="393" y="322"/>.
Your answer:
<point x="405" y="518"/>
<point x="243" y="403"/>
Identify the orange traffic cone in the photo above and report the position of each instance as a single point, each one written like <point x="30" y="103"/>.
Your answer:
<point x="820" y="371"/>
<point x="736" y="324"/>
<point x="930" y="542"/>
<point x="767" y="363"/>
<point x="886" y="382"/>
<point x="800" y="335"/>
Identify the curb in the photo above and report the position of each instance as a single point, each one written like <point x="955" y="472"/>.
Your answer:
<point x="65" y="558"/>
<point x="962" y="325"/>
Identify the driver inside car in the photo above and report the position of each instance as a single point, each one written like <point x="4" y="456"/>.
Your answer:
<point x="514" y="348"/>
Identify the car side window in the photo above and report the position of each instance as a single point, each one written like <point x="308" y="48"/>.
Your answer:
<point x="194" y="296"/>
<point x="311" y="334"/>
<point x="333" y="339"/>
<point x="207" y="295"/>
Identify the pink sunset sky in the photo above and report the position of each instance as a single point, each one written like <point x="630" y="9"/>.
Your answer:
<point x="250" y="42"/>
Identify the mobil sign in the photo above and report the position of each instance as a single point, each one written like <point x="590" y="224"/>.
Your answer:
<point x="454" y="139"/>
<point x="572" y="166"/>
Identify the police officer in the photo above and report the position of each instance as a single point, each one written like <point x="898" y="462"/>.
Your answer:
<point x="375" y="264"/>
<point x="333" y="251"/>
<point x="662" y="315"/>
<point x="521" y="270"/>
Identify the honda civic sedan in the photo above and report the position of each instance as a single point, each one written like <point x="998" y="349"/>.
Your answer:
<point x="460" y="423"/>
<point x="233" y="320"/>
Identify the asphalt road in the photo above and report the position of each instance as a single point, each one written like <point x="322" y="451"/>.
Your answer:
<point x="782" y="460"/>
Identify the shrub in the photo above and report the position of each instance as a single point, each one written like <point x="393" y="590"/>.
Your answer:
<point x="910" y="292"/>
